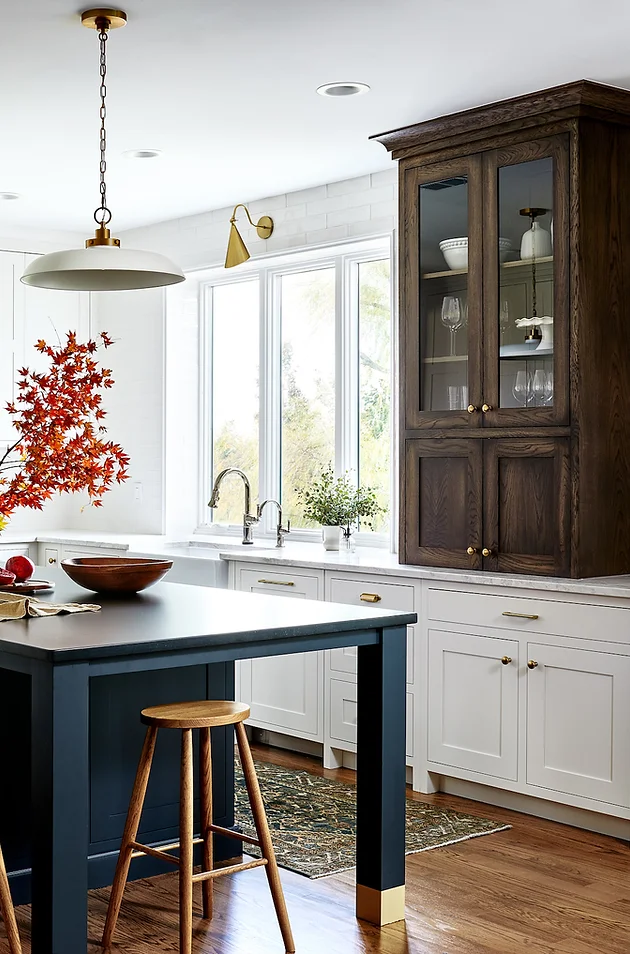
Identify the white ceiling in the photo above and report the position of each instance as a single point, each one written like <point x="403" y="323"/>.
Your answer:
<point x="227" y="91"/>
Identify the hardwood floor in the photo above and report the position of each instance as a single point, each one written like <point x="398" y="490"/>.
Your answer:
<point x="540" y="888"/>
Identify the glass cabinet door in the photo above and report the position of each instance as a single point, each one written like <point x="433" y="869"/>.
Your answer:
<point x="525" y="271"/>
<point x="443" y="306"/>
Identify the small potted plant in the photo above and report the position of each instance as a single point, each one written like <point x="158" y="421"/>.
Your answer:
<point x="336" y="504"/>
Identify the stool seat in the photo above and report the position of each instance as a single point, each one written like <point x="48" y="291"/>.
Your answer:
<point x="195" y="715"/>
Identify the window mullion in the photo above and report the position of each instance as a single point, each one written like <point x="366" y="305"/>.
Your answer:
<point x="347" y="390"/>
<point x="206" y="462"/>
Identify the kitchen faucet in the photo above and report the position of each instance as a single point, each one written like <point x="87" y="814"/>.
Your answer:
<point x="248" y="518"/>
<point x="281" y="531"/>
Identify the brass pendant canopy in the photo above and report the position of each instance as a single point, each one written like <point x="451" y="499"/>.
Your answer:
<point x="102" y="265"/>
<point x="237" y="252"/>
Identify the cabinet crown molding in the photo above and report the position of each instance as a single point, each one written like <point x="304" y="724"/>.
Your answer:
<point x="570" y="101"/>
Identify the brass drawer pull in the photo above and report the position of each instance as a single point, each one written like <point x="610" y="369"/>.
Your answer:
<point x="506" y="660"/>
<point x="278" y="582"/>
<point x="532" y="664"/>
<point x="520" y="615"/>
<point x="370" y="597"/>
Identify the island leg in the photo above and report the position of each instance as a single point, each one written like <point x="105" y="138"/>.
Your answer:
<point x="381" y="689"/>
<point x="60" y="804"/>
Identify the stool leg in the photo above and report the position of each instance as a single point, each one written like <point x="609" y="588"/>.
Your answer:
<point x="262" y="829"/>
<point x="206" y="818"/>
<point x="7" y="911"/>
<point x="130" y="834"/>
<point x="186" y="844"/>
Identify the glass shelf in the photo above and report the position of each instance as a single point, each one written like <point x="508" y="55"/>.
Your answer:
<point x="445" y="359"/>
<point x="520" y="263"/>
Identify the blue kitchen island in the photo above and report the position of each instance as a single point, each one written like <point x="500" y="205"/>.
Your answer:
<point x="71" y="690"/>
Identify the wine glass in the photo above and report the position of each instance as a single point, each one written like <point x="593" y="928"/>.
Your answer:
<point x="540" y="386"/>
<point x="522" y="388"/>
<point x="548" y="394"/>
<point x="452" y="317"/>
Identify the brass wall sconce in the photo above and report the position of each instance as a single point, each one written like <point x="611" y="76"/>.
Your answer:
<point x="237" y="250"/>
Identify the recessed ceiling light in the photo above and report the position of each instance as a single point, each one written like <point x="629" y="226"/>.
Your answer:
<point x="9" y="196"/>
<point x="343" y="89"/>
<point x="143" y="153"/>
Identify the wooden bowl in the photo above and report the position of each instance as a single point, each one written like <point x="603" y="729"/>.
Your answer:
<point x="115" y="574"/>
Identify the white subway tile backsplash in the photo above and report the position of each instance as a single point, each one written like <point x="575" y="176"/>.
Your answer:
<point x="372" y="227"/>
<point x="322" y="236"/>
<point x="386" y="177"/>
<point x="358" y="184"/>
<point x="266" y="206"/>
<point x="306" y="195"/>
<point x="346" y="216"/>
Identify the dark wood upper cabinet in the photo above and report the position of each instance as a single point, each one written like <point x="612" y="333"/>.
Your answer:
<point x="515" y="334"/>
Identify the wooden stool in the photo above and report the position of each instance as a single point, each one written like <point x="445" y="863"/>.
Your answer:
<point x="7" y="911"/>
<point x="188" y="716"/>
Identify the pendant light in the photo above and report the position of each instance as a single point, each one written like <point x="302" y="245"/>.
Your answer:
<point x="102" y="265"/>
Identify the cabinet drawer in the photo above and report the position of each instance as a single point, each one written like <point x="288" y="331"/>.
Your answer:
<point x="343" y="714"/>
<point x="396" y="596"/>
<point x="530" y="614"/>
<point x="292" y="584"/>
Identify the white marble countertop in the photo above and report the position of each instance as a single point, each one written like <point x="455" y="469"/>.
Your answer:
<point x="371" y="560"/>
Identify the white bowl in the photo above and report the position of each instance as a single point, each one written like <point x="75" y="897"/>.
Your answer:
<point x="455" y="251"/>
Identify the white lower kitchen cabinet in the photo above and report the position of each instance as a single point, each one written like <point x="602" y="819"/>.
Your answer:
<point x="51" y="554"/>
<point x="578" y="722"/>
<point x="342" y="723"/>
<point x="473" y="702"/>
<point x="16" y="549"/>
<point x="285" y="693"/>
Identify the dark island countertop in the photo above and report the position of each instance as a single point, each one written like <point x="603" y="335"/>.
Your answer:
<point x="170" y="616"/>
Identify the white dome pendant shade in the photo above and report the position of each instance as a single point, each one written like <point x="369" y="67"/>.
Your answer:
<point x="102" y="268"/>
<point x="102" y="265"/>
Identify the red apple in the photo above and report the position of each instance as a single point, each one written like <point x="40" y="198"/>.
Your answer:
<point x="6" y="577"/>
<point x="22" y="567"/>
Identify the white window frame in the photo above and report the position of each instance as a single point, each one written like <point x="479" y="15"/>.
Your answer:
<point x="345" y="258"/>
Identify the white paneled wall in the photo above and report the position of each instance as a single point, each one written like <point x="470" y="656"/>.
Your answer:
<point x="157" y="422"/>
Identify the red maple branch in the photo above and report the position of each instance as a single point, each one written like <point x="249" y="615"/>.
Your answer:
<point x="61" y="447"/>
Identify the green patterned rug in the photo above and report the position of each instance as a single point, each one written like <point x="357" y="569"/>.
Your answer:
<point x="313" y="821"/>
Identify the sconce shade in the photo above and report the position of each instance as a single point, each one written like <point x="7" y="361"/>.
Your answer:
<point x="102" y="268"/>
<point x="236" y="251"/>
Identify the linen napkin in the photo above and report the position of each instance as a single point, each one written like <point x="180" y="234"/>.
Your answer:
<point x="15" y="606"/>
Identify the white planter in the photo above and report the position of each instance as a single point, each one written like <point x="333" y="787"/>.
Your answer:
<point x="330" y="537"/>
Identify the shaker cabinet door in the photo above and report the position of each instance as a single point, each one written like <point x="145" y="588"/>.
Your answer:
<point x="443" y="507"/>
<point x="473" y="703"/>
<point x="526" y="284"/>
<point x="527" y="506"/>
<point x="578" y="712"/>
<point x="441" y="288"/>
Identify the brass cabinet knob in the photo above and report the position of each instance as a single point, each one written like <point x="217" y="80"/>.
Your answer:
<point x="51" y="560"/>
<point x="532" y="664"/>
<point x="486" y="407"/>
<point x="506" y="660"/>
<point x="486" y="552"/>
<point x="472" y="408"/>
<point x="471" y="551"/>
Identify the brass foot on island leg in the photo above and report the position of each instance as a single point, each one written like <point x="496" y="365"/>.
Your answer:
<point x="380" y="907"/>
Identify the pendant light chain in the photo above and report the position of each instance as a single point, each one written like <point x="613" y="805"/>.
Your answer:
<point x="103" y="215"/>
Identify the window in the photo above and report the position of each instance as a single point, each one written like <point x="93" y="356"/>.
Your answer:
<point x="298" y="374"/>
